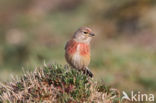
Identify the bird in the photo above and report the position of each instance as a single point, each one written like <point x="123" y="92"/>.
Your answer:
<point x="77" y="50"/>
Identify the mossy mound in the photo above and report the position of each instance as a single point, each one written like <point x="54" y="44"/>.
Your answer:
<point x="56" y="84"/>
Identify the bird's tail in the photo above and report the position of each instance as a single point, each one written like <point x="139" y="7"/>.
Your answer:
<point x="88" y="72"/>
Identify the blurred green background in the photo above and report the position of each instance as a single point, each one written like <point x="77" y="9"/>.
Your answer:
<point x="123" y="51"/>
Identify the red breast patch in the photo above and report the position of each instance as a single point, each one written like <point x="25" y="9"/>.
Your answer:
<point x="72" y="47"/>
<point x="84" y="49"/>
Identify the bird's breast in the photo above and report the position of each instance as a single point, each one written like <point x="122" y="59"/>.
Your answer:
<point x="84" y="49"/>
<point x="78" y="54"/>
<point x="76" y="48"/>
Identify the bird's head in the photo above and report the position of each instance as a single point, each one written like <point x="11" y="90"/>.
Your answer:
<point x="83" y="35"/>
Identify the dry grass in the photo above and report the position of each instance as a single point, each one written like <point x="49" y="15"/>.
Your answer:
<point x="56" y="84"/>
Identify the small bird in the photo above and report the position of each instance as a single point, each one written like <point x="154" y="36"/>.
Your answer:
<point x="77" y="50"/>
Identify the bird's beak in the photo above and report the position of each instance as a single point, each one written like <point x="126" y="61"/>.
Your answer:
<point x="92" y="34"/>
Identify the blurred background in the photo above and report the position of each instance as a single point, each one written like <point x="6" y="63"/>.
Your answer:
<point x="123" y="51"/>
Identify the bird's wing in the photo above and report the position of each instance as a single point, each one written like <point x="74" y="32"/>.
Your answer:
<point x="66" y="45"/>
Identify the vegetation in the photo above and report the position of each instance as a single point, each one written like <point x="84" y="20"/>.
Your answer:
<point x="56" y="84"/>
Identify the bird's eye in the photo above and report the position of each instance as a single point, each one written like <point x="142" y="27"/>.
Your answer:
<point x="85" y="32"/>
